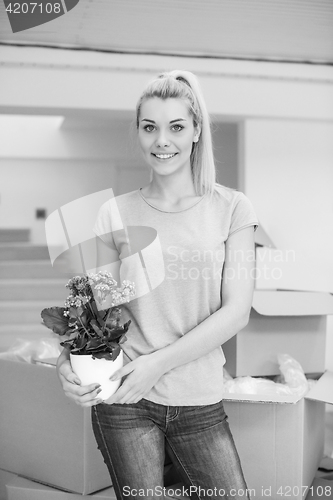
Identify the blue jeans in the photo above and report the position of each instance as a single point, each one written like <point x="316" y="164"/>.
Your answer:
<point x="133" y="439"/>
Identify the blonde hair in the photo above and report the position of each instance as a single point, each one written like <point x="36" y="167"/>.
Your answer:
<point x="184" y="85"/>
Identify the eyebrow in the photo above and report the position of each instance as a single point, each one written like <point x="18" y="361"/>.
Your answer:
<point x="172" y="121"/>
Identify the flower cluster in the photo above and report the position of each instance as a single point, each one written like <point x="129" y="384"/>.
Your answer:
<point x="106" y="288"/>
<point x="92" y="330"/>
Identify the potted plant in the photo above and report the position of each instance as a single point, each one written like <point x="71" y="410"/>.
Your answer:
<point x="91" y="321"/>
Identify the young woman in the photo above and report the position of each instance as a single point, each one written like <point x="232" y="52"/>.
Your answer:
<point x="171" y="394"/>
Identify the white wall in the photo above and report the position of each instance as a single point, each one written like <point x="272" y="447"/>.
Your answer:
<point x="30" y="184"/>
<point x="288" y="175"/>
<point x="30" y="137"/>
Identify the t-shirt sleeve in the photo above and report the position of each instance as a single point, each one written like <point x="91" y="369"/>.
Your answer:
<point x="243" y="215"/>
<point x="103" y="225"/>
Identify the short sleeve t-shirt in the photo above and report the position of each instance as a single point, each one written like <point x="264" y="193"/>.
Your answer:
<point x="192" y="244"/>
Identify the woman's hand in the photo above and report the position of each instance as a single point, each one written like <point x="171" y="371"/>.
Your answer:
<point x="141" y="375"/>
<point x="71" y="384"/>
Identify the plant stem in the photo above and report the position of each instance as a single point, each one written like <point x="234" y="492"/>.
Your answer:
<point x="92" y="312"/>
<point x="84" y="328"/>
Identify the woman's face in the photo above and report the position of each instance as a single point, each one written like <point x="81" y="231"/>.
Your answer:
<point x="166" y="134"/>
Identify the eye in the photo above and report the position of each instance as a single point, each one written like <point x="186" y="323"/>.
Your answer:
<point x="177" y="127"/>
<point x="149" y="128"/>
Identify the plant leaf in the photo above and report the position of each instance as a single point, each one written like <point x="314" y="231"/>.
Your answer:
<point x="115" y="353"/>
<point x="75" y="312"/>
<point x="81" y="342"/>
<point x="53" y="318"/>
<point x="94" y="324"/>
<point x="94" y="344"/>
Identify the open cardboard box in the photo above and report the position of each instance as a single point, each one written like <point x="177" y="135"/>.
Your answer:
<point x="43" y="434"/>
<point x="281" y="322"/>
<point x="280" y="439"/>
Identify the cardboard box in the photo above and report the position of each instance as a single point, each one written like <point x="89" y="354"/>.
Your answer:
<point x="280" y="439"/>
<point x="43" y="434"/>
<point x="24" y="489"/>
<point x="320" y="489"/>
<point x="281" y="322"/>
<point x="5" y="477"/>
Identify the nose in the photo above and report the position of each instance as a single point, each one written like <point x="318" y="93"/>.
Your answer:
<point x="162" y="140"/>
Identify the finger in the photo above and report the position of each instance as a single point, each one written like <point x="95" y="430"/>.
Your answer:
<point x="80" y="391"/>
<point x="89" y="397"/>
<point x="83" y="398"/>
<point x="64" y="381"/>
<point x="88" y="390"/>
<point x="127" y="397"/>
<point x="125" y="370"/>
<point x="66" y="371"/>
<point x="138" y="398"/>
<point x="134" y="398"/>
<point x="118" y="395"/>
<point x="94" y="402"/>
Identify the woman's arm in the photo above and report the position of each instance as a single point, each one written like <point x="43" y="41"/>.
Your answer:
<point x="237" y="294"/>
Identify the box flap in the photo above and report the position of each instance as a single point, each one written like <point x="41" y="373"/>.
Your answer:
<point x="291" y="269"/>
<point x="262" y="239"/>
<point x="291" y="303"/>
<point x="323" y="389"/>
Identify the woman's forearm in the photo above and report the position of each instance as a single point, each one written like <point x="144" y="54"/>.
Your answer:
<point x="204" y="338"/>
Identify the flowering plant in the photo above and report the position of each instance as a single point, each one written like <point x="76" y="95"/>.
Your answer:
<point x="91" y="330"/>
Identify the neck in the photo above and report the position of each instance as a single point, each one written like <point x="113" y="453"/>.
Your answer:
<point x="171" y="189"/>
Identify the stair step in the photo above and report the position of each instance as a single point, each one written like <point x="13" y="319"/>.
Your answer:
<point x="39" y="269"/>
<point x="24" y="311"/>
<point x="23" y="251"/>
<point x="33" y="289"/>
<point x="14" y="235"/>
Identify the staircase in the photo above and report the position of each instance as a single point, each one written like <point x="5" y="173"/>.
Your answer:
<point x="28" y="283"/>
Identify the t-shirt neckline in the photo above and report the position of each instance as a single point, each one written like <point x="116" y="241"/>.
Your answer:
<point x="170" y="211"/>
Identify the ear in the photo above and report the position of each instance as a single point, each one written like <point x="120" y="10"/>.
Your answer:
<point x="197" y="133"/>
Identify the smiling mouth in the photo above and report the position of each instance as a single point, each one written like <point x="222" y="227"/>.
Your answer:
<point x="161" y="156"/>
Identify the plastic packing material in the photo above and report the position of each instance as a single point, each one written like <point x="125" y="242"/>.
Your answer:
<point x="32" y="351"/>
<point x="293" y="381"/>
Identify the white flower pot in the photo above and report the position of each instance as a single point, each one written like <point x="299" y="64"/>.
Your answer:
<point x="91" y="371"/>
